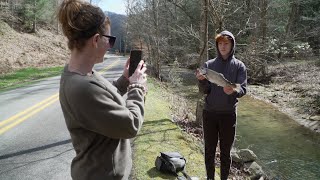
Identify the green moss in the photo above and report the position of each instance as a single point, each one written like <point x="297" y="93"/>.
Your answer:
<point x="26" y="76"/>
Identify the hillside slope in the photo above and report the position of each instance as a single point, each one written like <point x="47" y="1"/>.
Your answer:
<point x="20" y="50"/>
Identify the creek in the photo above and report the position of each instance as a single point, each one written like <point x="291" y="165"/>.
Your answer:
<point x="285" y="149"/>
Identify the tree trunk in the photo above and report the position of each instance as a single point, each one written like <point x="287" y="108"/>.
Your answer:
<point x="34" y="27"/>
<point x="293" y="15"/>
<point x="155" y="11"/>
<point x="203" y="53"/>
<point x="203" y="33"/>
<point x="57" y="5"/>
<point x="263" y="22"/>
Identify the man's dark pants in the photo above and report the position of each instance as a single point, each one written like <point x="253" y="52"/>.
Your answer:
<point x="220" y="126"/>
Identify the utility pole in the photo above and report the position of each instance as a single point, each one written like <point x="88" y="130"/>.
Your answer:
<point x="120" y="45"/>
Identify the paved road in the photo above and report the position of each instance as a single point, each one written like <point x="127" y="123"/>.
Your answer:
<point x="34" y="141"/>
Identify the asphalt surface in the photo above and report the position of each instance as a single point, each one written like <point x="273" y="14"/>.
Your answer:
<point x="34" y="141"/>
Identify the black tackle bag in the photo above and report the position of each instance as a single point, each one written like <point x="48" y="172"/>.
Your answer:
<point x="171" y="162"/>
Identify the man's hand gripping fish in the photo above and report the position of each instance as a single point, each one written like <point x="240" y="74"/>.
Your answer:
<point x="218" y="78"/>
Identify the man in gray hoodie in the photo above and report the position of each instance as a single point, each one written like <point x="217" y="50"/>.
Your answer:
<point x="219" y="114"/>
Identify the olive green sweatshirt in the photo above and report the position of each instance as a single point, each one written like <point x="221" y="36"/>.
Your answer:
<point x="100" y="122"/>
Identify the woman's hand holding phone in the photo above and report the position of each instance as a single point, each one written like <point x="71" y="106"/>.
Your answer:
<point x="139" y="76"/>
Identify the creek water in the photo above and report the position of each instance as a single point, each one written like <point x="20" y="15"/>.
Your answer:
<point x="285" y="149"/>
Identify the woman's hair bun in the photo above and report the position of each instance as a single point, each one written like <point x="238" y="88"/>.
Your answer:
<point x="80" y="20"/>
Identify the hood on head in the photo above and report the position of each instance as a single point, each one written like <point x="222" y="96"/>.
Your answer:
<point x="227" y="33"/>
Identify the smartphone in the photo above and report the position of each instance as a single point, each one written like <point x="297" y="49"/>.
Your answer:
<point x="135" y="58"/>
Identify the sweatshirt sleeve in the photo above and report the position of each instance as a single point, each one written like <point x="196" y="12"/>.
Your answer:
<point x="242" y="80"/>
<point x="121" y="84"/>
<point x="98" y="111"/>
<point x="204" y="85"/>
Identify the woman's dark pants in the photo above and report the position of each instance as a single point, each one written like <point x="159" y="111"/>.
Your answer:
<point x="220" y="126"/>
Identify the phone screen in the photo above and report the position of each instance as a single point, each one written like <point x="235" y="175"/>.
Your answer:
<point x="135" y="58"/>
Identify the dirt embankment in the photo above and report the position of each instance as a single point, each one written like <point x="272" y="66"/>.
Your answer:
<point x="19" y="50"/>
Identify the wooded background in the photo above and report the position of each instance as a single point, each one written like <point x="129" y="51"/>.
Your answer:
<point x="265" y="30"/>
<point x="183" y="31"/>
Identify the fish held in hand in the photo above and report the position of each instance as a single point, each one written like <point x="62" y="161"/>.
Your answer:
<point x="218" y="78"/>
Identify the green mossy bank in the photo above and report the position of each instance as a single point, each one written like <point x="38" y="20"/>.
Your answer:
<point x="160" y="134"/>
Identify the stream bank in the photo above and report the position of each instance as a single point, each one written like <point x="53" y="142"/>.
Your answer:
<point x="294" y="90"/>
<point x="285" y="149"/>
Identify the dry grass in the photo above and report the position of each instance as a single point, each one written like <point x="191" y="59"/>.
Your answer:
<point x="21" y="50"/>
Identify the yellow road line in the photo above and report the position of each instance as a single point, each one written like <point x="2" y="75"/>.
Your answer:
<point x="2" y="123"/>
<point x="10" y="126"/>
<point x="110" y="66"/>
<point x="35" y="108"/>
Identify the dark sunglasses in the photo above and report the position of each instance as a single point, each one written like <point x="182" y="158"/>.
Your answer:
<point x="112" y="40"/>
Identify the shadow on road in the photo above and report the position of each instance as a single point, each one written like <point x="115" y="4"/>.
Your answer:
<point x="35" y="149"/>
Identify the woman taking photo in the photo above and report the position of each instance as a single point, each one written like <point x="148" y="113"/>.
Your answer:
<point x="100" y="120"/>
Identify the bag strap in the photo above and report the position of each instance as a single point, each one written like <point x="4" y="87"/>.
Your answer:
<point x="186" y="175"/>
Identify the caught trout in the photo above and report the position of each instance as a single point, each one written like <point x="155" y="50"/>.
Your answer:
<point x="218" y="78"/>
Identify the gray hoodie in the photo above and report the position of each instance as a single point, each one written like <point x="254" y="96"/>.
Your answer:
<point x="235" y="71"/>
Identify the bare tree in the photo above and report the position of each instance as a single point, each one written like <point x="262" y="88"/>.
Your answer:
<point x="204" y="32"/>
<point x="203" y="52"/>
